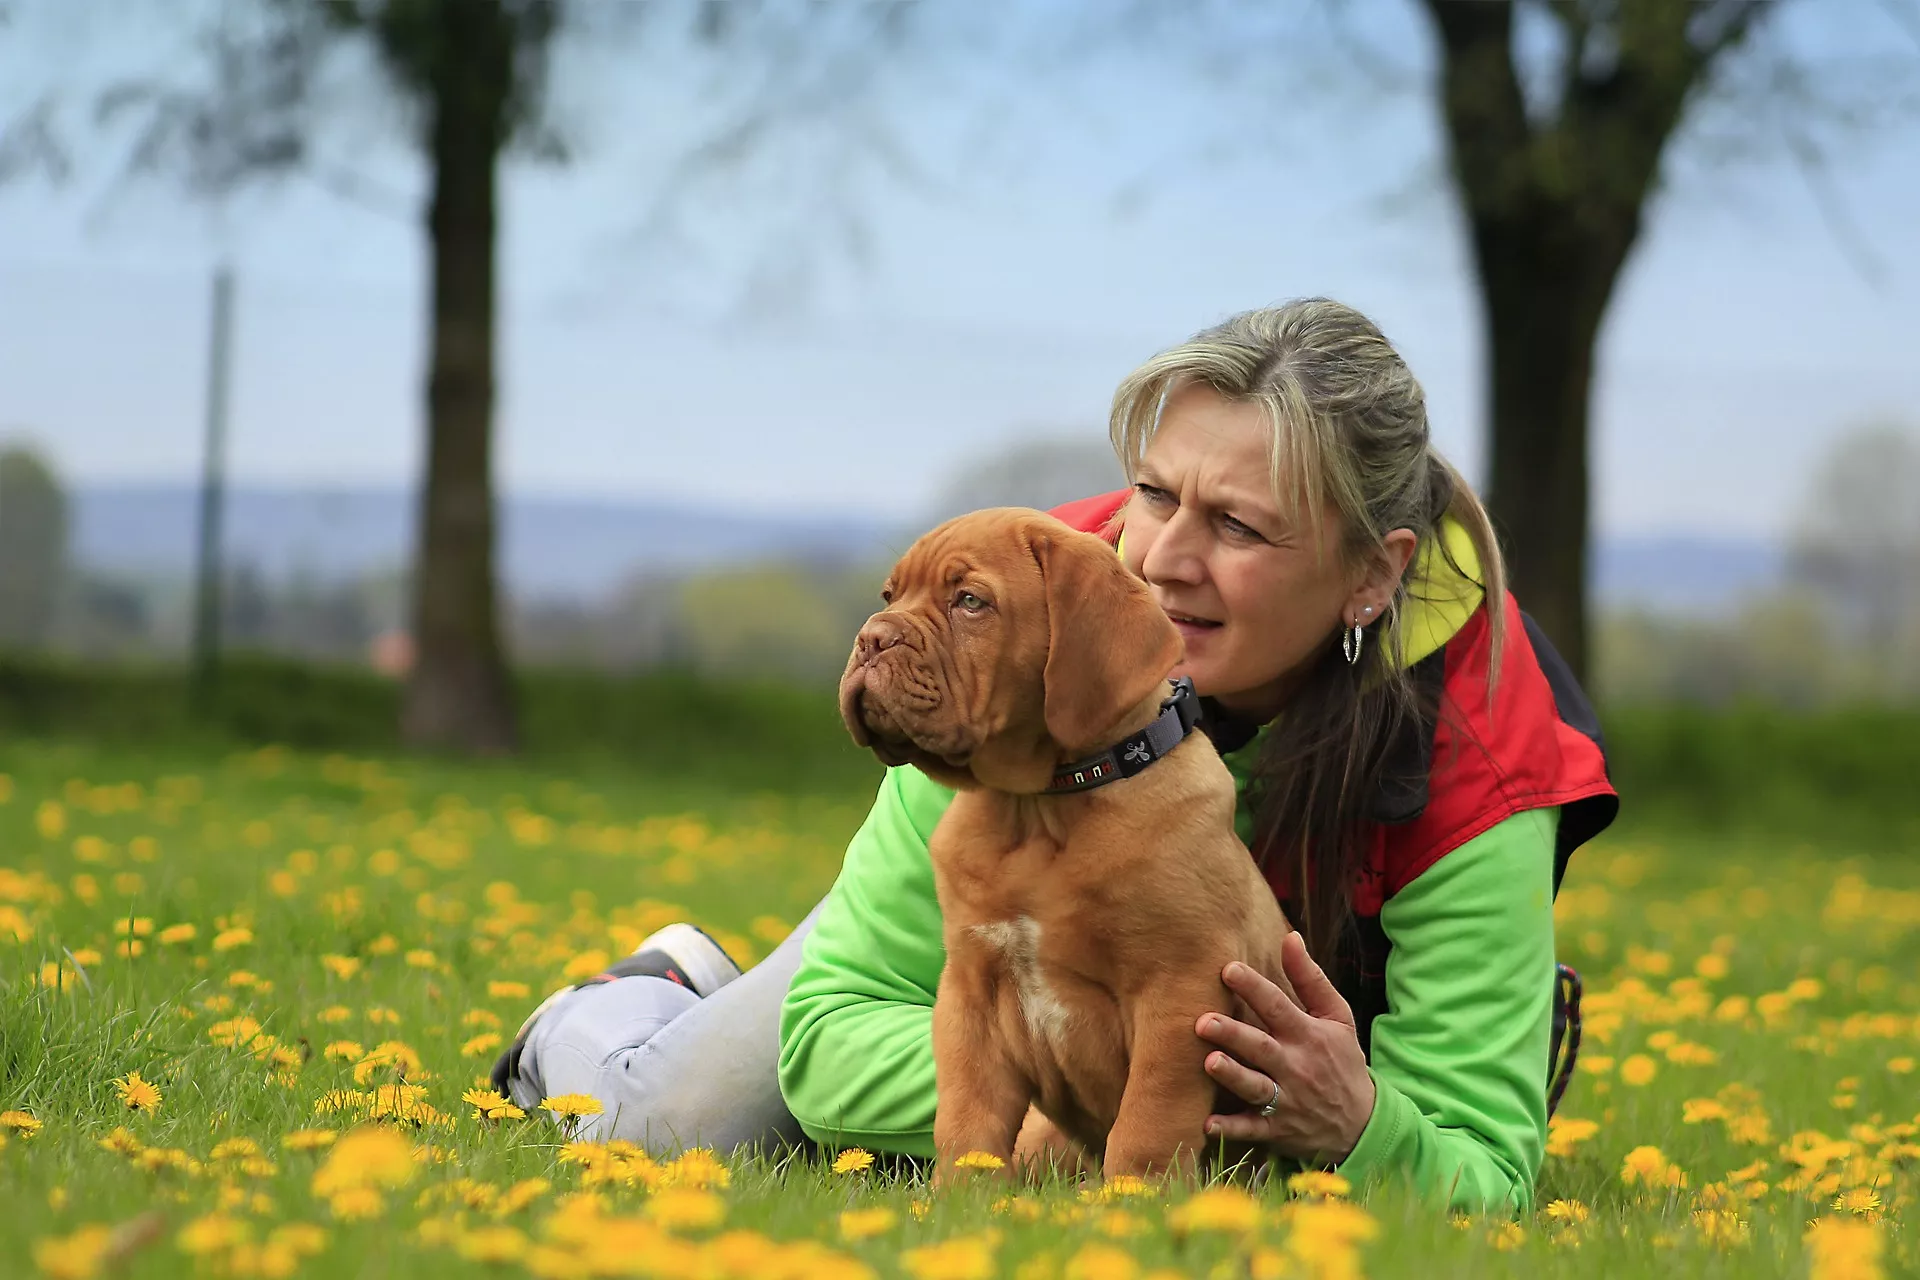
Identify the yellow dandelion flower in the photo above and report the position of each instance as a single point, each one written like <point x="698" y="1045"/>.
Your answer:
<point x="1570" y="1212"/>
<point x="697" y="1167"/>
<point x="1701" y="1110"/>
<point x="344" y="1051"/>
<point x="507" y="990"/>
<point x="1126" y="1187"/>
<point x="420" y="958"/>
<point x="21" y="1122"/>
<point x="864" y="1224"/>
<point x="489" y="1105"/>
<point x="1506" y="1236"/>
<point x="1862" y="1202"/>
<point x="1845" y="1249"/>
<point x="1648" y="1167"/>
<point x="686" y="1209"/>
<point x="175" y="934"/>
<point x="481" y="1045"/>
<point x="962" y="1258"/>
<point x="389" y="1057"/>
<point x="1316" y="1183"/>
<point x="492" y="1245"/>
<point x="122" y="1142"/>
<point x="1688" y="1054"/>
<point x="228" y="939"/>
<point x="357" y="1203"/>
<point x="367" y="1157"/>
<point x="1566" y="1133"/>
<point x="137" y="1094"/>
<point x="853" y="1160"/>
<point x="1222" y="1208"/>
<point x="211" y="1233"/>
<point x="342" y="967"/>
<point x="572" y="1106"/>
<point x="307" y="1139"/>
<point x="1120" y="1224"/>
<point x="1102" y="1262"/>
<point x="73" y="1257"/>
<point x="1638" y="1070"/>
<point x="979" y="1160"/>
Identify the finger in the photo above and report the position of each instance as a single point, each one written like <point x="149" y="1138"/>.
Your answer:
<point x="1317" y="993"/>
<point x="1240" y="1128"/>
<point x="1242" y="1081"/>
<point x="1268" y="1000"/>
<point x="1249" y="1044"/>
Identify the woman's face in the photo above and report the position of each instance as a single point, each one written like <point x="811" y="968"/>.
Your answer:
<point x="1255" y="595"/>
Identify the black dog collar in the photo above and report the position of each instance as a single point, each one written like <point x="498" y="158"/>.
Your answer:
<point x="1126" y="758"/>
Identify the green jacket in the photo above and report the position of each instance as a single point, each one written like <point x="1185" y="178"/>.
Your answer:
<point x="1459" y="1060"/>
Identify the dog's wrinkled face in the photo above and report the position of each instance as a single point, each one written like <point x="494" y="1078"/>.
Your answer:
<point x="1009" y="644"/>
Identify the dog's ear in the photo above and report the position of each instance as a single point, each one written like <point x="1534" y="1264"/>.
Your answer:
<point x="1108" y="643"/>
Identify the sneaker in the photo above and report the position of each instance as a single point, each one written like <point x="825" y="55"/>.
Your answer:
<point x="681" y="953"/>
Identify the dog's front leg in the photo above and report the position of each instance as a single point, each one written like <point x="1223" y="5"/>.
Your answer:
<point x="1161" y="1128"/>
<point x="983" y="1095"/>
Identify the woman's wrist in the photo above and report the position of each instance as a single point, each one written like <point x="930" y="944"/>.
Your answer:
<point x="1357" y="1117"/>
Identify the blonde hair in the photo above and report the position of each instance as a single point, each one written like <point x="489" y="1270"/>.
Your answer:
<point x="1347" y="425"/>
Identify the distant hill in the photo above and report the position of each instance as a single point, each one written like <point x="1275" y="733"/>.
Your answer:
<point x="577" y="549"/>
<point x="550" y="548"/>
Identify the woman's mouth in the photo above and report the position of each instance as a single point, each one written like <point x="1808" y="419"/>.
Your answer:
<point x="1190" y="626"/>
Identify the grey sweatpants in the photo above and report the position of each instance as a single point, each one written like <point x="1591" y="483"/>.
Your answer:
<point x="670" y="1069"/>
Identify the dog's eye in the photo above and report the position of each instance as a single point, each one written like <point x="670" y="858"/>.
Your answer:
<point x="970" y="602"/>
<point x="886" y="595"/>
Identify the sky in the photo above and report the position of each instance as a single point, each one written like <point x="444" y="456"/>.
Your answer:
<point x="723" y="348"/>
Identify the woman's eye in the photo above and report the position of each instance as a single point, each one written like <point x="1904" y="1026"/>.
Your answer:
<point x="1150" y="493"/>
<point x="1241" y="529"/>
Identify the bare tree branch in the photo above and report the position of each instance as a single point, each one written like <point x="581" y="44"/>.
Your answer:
<point x="1810" y="161"/>
<point x="1906" y="15"/>
<point x="31" y="142"/>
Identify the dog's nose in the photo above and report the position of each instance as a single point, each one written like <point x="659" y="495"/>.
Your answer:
<point x="878" y="635"/>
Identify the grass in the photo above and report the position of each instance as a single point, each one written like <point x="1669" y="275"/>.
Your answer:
<point x="1764" y="986"/>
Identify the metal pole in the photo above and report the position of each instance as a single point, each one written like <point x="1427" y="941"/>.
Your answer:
<point x="206" y="610"/>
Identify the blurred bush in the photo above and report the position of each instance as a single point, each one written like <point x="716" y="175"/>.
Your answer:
<point x="1855" y="769"/>
<point x="1847" y="770"/>
<point x="669" y="722"/>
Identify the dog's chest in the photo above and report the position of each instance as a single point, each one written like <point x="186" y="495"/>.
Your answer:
<point x="1017" y="944"/>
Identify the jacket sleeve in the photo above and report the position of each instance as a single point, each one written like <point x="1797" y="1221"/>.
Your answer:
<point x="856" y="1029"/>
<point x="1459" y="1060"/>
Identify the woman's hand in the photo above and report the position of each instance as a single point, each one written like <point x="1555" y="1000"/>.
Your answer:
<point x="1312" y="1054"/>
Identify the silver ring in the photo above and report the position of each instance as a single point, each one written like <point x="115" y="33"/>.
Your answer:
<point x="1272" y="1102"/>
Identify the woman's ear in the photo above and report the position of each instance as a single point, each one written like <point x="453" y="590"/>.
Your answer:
<point x="1385" y="568"/>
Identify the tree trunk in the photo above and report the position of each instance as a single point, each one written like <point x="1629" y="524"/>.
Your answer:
<point x="1540" y="374"/>
<point x="1545" y="280"/>
<point x="458" y="694"/>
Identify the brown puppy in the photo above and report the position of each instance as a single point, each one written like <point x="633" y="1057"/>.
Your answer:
<point x="1085" y="931"/>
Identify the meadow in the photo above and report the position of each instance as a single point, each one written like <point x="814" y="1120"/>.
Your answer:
<point x="248" y="996"/>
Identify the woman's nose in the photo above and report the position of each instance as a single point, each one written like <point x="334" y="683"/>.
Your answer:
<point x="1173" y="555"/>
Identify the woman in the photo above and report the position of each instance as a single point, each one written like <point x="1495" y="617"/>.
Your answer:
<point x="1415" y="767"/>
